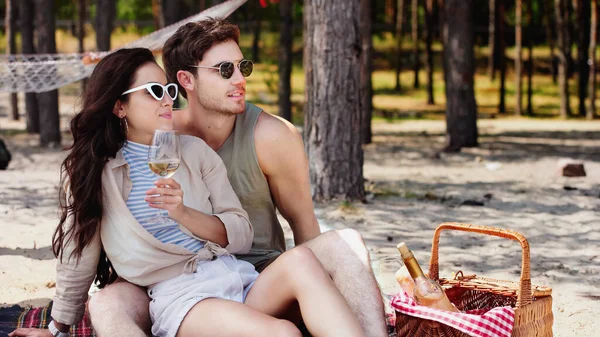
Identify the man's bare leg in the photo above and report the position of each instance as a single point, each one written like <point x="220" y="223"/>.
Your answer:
<point x="120" y="309"/>
<point x="346" y="259"/>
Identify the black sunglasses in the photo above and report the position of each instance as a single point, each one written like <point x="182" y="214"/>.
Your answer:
<point x="227" y="68"/>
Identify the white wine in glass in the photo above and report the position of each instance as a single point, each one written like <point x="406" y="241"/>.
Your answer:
<point x="164" y="156"/>
<point x="165" y="169"/>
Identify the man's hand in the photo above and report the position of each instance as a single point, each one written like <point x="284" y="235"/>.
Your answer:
<point x="30" y="332"/>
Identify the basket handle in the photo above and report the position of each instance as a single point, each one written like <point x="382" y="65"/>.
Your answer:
<point x="525" y="293"/>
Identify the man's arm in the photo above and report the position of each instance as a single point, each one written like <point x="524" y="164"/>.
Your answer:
<point x="282" y="158"/>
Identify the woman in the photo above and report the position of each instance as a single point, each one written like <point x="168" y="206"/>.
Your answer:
<point x="196" y="287"/>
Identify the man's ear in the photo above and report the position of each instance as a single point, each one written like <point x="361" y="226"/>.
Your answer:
<point x="186" y="80"/>
<point x="119" y="109"/>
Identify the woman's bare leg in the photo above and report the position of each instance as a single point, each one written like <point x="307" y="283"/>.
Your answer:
<point x="297" y="275"/>
<point x="222" y="318"/>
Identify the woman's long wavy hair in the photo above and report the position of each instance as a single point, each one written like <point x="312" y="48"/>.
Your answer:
<point x="98" y="134"/>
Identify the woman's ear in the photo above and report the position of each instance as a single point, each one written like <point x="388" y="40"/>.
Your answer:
<point x="119" y="109"/>
<point x="186" y="80"/>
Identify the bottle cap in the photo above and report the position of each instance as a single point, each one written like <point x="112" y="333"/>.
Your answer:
<point x="403" y="248"/>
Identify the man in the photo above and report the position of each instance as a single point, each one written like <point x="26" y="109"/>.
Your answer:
<point x="268" y="169"/>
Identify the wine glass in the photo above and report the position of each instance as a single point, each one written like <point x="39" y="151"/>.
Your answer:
<point x="385" y="273"/>
<point x="164" y="156"/>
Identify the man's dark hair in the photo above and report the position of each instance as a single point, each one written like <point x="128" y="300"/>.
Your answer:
<point x="189" y="43"/>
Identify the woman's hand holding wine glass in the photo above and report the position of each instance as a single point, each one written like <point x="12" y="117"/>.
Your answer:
<point x="168" y="196"/>
<point x="164" y="156"/>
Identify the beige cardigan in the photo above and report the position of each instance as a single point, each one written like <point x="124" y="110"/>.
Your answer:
<point x="136" y="255"/>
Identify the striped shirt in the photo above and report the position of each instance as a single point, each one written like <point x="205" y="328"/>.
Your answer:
<point x="142" y="179"/>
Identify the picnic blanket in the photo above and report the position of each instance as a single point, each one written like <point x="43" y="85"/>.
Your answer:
<point x="37" y="317"/>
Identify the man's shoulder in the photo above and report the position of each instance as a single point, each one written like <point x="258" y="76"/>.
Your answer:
<point x="277" y="142"/>
<point x="270" y="128"/>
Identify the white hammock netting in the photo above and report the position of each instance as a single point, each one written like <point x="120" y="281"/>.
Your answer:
<point x="44" y="72"/>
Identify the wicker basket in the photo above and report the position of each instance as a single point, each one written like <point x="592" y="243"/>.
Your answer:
<point x="532" y="305"/>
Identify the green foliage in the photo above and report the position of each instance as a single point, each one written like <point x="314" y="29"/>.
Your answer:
<point x="272" y="78"/>
<point x="347" y="206"/>
<point x="132" y="10"/>
<point x="389" y="104"/>
<point x="65" y="9"/>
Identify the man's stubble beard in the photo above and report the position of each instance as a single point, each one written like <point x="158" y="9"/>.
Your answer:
<point x="213" y="105"/>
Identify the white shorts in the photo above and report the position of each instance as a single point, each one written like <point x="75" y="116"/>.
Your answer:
<point x="224" y="277"/>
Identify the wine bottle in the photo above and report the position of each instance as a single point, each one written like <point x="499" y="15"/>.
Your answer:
<point x="426" y="291"/>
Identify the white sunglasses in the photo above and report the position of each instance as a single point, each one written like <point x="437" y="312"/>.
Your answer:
<point x="157" y="90"/>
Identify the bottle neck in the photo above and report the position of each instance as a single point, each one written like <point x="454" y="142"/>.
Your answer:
<point x="413" y="267"/>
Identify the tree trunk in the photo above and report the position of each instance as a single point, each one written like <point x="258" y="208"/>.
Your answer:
<point x="256" y="15"/>
<point x="567" y="11"/>
<point x="171" y="10"/>
<point x="583" y="43"/>
<point x="572" y="31"/>
<point x="429" y="54"/>
<point x="157" y="14"/>
<point x="441" y="23"/>
<point x="399" y="23"/>
<point x="256" y="41"/>
<point x="81" y="17"/>
<point x="459" y="59"/>
<point x="591" y="112"/>
<point x="285" y="58"/>
<point x="502" y="57"/>
<point x="563" y="63"/>
<point x="202" y="5"/>
<point x="48" y="101"/>
<point x="492" y="40"/>
<point x="415" y="38"/>
<point x="518" y="56"/>
<point x="530" y="57"/>
<point x="549" y="23"/>
<point x="389" y="12"/>
<point x="11" y="48"/>
<point x="366" y="88"/>
<point x="27" y="18"/>
<point x="105" y="16"/>
<point x="332" y="47"/>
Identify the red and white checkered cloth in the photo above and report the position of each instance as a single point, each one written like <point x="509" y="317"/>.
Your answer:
<point x="490" y="322"/>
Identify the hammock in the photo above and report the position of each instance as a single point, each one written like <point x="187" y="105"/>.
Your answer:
<point x="45" y="72"/>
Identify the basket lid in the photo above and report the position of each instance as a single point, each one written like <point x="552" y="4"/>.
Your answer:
<point x="501" y="287"/>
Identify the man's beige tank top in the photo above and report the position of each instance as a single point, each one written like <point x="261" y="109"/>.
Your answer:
<point x="250" y="184"/>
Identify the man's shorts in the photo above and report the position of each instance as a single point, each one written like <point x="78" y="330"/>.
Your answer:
<point x="260" y="258"/>
<point x="171" y="300"/>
